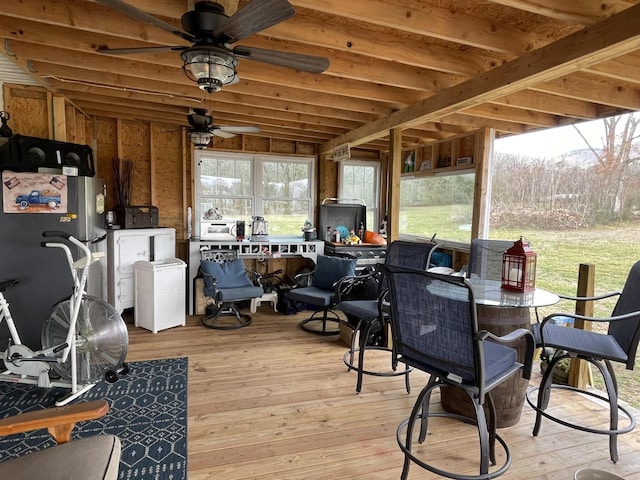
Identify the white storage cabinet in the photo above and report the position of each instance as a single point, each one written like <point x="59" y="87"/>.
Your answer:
<point x="160" y="294"/>
<point x="124" y="249"/>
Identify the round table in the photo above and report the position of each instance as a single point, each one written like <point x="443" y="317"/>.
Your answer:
<point x="500" y="312"/>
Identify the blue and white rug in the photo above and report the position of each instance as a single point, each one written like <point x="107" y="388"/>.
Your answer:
<point x="147" y="411"/>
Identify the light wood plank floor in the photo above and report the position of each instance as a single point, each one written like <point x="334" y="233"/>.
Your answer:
<point x="273" y="402"/>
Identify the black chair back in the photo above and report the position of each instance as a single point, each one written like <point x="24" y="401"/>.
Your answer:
<point x="485" y="258"/>
<point x="414" y="255"/>
<point x="627" y="332"/>
<point x="434" y="324"/>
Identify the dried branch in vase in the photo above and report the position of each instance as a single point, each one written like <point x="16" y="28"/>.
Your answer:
<point x="123" y="179"/>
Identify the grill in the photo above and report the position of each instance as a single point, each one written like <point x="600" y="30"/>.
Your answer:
<point x="334" y="213"/>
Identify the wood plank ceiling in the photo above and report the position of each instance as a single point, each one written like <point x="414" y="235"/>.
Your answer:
<point x="434" y="68"/>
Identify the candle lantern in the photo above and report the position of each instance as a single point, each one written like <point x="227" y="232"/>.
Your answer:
<point x="519" y="267"/>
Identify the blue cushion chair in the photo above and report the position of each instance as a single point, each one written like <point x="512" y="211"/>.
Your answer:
<point x="619" y="344"/>
<point x="371" y="318"/>
<point x="321" y="292"/>
<point x="227" y="283"/>
<point x="435" y="329"/>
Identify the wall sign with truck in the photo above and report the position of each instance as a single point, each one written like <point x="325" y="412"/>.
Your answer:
<point x="26" y="192"/>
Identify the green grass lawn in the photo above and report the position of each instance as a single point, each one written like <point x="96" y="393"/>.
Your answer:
<point x="612" y="249"/>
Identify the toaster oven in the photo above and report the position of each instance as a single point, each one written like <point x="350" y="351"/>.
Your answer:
<point x="224" y="230"/>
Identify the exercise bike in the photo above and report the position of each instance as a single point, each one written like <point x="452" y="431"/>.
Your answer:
<point x="84" y="339"/>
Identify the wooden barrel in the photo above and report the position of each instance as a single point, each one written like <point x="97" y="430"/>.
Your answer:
<point x="509" y="395"/>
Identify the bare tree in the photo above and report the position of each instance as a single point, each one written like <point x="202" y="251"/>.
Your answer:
<point x="615" y="160"/>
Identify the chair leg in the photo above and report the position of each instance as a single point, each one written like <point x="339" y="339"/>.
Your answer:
<point x="611" y="398"/>
<point x="325" y="319"/>
<point x="415" y="413"/>
<point x="492" y="425"/>
<point x="215" y="320"/>
<point x="612" y="391"/>
<point x="364" y="337"/>
<point x="483" y="434"/>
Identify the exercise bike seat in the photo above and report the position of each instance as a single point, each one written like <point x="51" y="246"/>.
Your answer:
<point x="5" y="284"/>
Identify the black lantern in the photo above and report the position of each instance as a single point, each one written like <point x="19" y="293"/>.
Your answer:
<point x="519" y="267"/>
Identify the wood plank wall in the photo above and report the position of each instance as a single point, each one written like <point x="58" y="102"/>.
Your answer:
<point x="162" y="154"/>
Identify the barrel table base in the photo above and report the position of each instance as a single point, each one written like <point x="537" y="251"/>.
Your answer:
<point x="509" y="395"/>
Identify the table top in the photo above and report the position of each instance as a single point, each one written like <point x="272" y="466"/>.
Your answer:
<point x="490" y="293"/>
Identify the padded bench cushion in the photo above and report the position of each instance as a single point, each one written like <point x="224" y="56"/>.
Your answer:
<point x="93" y="458"/>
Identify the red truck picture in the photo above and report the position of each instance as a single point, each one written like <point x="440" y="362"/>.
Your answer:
<point x="50" y="198"/>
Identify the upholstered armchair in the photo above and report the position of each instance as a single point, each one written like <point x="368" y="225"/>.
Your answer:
<point x="226" y="283"/>
<point x="91" y="458"/>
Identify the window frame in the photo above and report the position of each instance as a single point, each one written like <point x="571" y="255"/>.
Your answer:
<point x="377" y="217"/>
<point x="256" y="196"/>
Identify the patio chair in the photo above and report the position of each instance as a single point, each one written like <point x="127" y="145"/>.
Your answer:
<point x="90" y="458"/>
<point x="372" y="319"/>
<point x="226" y="283"/>
<point x="619" y="344"/>
<point x="435" y="329"/>
<point x="321" y="292"/>
<point x="485" y="258"/>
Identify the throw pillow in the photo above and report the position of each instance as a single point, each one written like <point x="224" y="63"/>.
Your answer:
<point x="331" y="269"/>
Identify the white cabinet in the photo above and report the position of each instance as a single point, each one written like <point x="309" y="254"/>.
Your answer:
<point x="160" y="296"/>
<point x="124" y="249"/>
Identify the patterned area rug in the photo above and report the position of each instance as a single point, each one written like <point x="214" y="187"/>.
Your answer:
<point x="148" y="412"/>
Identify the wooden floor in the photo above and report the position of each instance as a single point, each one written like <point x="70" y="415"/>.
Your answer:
<point x="273" y="402"/>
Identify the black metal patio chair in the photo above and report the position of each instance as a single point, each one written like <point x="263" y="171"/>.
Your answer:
<point x="435" y="329"/>
<point x="619" y="344"/>
<point x="371" y="318"/>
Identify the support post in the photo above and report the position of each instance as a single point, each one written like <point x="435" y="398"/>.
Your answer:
<point x="579" y="369"/>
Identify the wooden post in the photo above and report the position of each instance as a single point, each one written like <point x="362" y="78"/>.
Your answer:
<point x="579" y="369"/>
<point x="482" y="189"/>
<point x="395" y="171"/>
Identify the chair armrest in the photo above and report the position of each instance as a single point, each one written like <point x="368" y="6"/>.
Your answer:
<point x="304" y="276"/>
<point x="343" y="285"/>
<point x="518" y="334"/>
<point x="587" y="299"/>
<point x="60" y="421"/>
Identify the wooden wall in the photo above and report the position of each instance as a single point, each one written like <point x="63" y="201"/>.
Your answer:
<point x="162" y="154"/>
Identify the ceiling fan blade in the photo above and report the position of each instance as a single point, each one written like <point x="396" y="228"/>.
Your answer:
<point x="126" y="51"/>
<point x="222" y="134"/>
<point x="254" y="17"/>
<point x="297" y="61"/>
<point x="143" y="16"/>
<point x="237" y="129"/>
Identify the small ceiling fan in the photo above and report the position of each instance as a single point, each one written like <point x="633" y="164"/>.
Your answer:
<point x="202" y="128"/>
<point x="211" y="61"/>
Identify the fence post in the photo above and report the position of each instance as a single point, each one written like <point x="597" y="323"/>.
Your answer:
<point x="579" y="369"/>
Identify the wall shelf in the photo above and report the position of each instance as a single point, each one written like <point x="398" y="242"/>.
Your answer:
<point x="454" y="154"/>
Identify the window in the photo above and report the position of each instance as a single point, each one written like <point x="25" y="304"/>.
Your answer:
<point x="240" y="186"/>
<point x="437" y="205"/>
<point x="361" y="180"/>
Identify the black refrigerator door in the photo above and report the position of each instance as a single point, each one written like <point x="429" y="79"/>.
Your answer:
<point x="43" y="273"/>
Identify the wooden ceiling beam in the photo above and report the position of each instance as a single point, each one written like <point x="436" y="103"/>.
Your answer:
<point x="552" y="104"/>
<point x="584" y="12"/>
<point x="438" y="22"/>
<point x="615" y="36"/>
<point x="382" y="45"/>
<point x="593" y="88"/>
<point x="511" y="114"/>
<point x="154" y="72"/>
<point x="90" y="17"/>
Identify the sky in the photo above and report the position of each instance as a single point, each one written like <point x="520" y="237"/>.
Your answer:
<point x="552" y="142"/>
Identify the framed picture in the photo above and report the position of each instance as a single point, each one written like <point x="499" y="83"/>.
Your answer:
<point x="464" y="161"/>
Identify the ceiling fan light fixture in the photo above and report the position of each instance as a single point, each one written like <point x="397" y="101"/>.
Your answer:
<point x="209" y="66"/>
<point x="200" y="139"/>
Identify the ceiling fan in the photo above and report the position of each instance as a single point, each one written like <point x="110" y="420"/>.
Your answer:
<point x="211" y="61"/>
<point x="202" y="128"/>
